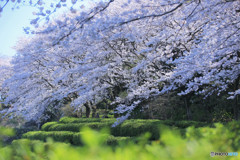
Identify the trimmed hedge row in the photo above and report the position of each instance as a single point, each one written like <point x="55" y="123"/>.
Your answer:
<point x="180" y="124"/>
<point x="85" y="120"/>
<point x="67" y="129"/>
<point x="132" y="128"/>
<point x="69" y="137"/>
<point x="74" y="127"/>
<point x="46" y="126"/>
<point x="136" y="129"/>
<point x="196" y="145"/>
<point x="185" y="124"/>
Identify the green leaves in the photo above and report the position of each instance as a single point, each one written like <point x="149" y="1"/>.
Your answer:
<point x="6" y="132"/>
<point x="198" y="144"/>
<point x="93" y="138"/>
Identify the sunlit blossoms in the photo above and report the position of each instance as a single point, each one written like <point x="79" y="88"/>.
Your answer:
<point x="128" y="52"/>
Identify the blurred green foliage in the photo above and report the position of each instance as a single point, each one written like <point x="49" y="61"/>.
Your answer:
<point x="196" y="144"/>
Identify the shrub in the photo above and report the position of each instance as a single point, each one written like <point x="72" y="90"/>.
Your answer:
<point x="74" y="127"/>
<point x="68" y="137"/>
<point x="223" y="136"/>
<point x="132" y="127"/>
<point x="198" y="144"/>
<point x="136" y="129"/>
<point x="46" y="126"/>
<point x="61" y="136"/>
<point x="84" y="120"/>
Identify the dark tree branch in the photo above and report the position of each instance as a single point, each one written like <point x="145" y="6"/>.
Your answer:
<point x="81" y="23"/>
<point x="1" y="9"/>
<point x="150" y="16"/>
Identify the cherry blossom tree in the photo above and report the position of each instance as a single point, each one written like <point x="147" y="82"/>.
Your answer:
<point x="142" y="48"/>
<point x="5" y="72"/>
<point x="212" y="65"/>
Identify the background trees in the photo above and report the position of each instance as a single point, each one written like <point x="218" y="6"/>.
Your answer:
<point x="5" y="71"/>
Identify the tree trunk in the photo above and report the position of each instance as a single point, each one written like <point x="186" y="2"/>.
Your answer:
<point x="150" y="112"/>
<point x="88" y="110"/>
<point x="94" y="110"/>
<point x="116" y="115"/>
<point x="236" y="105"/>
<point x="81" y="113"/>
<point x="187" y="105"/>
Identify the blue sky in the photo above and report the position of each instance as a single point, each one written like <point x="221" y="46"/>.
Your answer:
<point x="12" y="23"/>
<point x="11" y="27"/>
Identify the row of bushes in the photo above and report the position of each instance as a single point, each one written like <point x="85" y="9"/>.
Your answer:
<point x="84" y="120"/>
<point x="70" y="137"/>
<point x="132" y="128"/>
<point x="180" y="124"/>
<point x="74" y="127"/>
<point x="126" y="129"/>
<point x="197" y="144"/>
<point x="226" y="137"/>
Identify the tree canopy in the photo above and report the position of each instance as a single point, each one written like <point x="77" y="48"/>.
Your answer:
<point x="142" y="48"/>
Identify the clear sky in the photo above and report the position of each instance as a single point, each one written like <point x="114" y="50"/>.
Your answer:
<point x="13" y="21"/>
<point x="11" y="26"/>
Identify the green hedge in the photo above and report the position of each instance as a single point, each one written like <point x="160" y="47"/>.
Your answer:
<point x="180" y="124"/>
<point x="197" y="144"/>
<point x="62" y="136"/>
<point x="133" y="129"/>
<point x="185" y="124"/>
<point x="69" y="137"/>
<point x="85" y="120"/>
<point x="47" y="125"/>
<point x="222" y="135"/>
<point x="74" y="127"/>
<point x="130" y="128"/>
